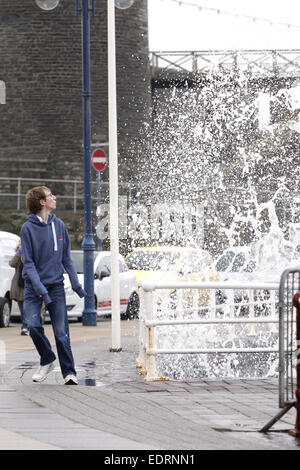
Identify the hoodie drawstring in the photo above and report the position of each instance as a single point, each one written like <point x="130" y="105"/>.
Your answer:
<point x="54" y="236"/>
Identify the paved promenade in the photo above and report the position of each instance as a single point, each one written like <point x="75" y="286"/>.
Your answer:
<point x="112" y="408"/>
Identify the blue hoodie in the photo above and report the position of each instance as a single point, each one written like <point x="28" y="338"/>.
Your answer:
<point x="46" y="252"/>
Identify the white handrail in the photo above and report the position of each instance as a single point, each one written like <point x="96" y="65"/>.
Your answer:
<point x="209" y="321"/>
<point x="150" y="286"/>
<point x="74" y="196"/>
<point x="153" y="352"/>
<point x="148" y="324"/>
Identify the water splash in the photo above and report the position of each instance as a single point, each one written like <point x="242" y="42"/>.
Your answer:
<point x="210" y="146"/>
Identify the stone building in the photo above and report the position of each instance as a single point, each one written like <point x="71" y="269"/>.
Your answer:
<point x="40" y="63"/>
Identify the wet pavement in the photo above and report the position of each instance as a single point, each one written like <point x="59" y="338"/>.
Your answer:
<point x="113" y="408"/>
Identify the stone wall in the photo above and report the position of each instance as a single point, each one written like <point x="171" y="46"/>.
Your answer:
<point x="40" y="63"/>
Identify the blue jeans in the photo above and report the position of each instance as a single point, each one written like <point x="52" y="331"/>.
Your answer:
<point x="59" y="319"/>
<point x="21" y="308"/>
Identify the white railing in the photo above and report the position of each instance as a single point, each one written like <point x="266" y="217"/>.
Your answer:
<point x="70" y="190"/>
<point x="280" y="63"/>
<point x="209" y="312"/>
<point x="18" y="184"/>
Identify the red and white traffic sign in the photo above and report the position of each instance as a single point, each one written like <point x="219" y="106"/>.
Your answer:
<point x="99" y="159"/>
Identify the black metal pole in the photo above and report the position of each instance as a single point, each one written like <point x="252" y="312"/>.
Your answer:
<point x="89" y="314"/>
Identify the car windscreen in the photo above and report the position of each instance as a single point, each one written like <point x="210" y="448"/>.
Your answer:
<point x="152" y="260"/>
<point x="104" y="265"/>
<point x="193" y="262"/>
<point x="77" y="258"/>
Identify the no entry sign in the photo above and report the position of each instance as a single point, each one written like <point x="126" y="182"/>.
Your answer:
<point x="99" y="159"/>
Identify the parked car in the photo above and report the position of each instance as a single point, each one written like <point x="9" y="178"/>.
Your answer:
<point x="262" y="260"/>
<point x="246" y="265"/>
<point x="129" y="299"/>
<point x="8" y="243"/>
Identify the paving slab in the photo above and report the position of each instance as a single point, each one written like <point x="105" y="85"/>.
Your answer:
<point x="113" y="408"/>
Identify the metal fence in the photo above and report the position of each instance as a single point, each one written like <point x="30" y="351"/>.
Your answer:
<point x="260" y="63"/>
<point x="246" y="303"/>
<point x="71" y="192"/>
<point x="289" y="286"/>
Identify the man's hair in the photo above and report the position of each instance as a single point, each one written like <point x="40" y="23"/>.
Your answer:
<point x="33" y="198"/>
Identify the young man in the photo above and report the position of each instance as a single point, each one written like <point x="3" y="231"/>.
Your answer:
<point x="46" y="252"/>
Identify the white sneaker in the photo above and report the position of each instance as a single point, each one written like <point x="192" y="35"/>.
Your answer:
<point x="42" y="372"/>
<point x="25" y="332"/>
<point x="71" y="380"/>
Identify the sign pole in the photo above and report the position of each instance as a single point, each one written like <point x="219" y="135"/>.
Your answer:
<point x="99" y="162"/>
<point x="98" y="210"/>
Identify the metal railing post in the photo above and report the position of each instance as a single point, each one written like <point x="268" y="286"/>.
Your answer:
<point x="75" y="197"/>
<point x="150" y="343"/>
<point x="150" y="359"/>
<point x="141" y="359"/>
<point x="296" y="303"/>
<point x="19" y="195"/>
<point x="251" y="312"/>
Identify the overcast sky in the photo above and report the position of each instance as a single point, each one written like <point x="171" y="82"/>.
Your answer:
<point x="182" y="28"/>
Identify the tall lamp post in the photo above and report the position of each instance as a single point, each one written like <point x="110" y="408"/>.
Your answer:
<point x="89" y="315"/>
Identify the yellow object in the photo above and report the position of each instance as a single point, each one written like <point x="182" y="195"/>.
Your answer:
<point x="173" y="264"/>
<point x="168" y="263"/>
